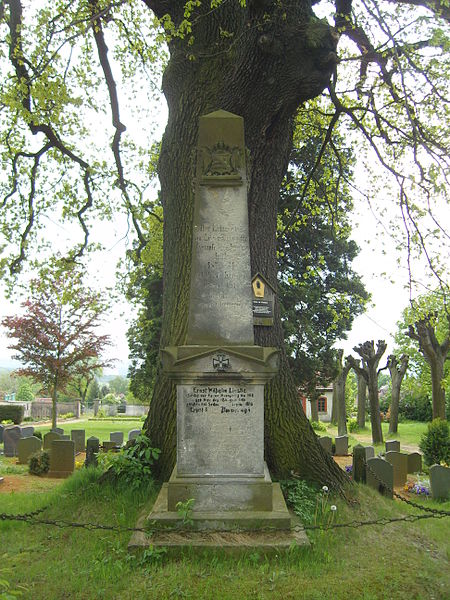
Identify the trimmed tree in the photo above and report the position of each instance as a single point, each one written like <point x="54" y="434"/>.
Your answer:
<point x="397" y="369"/>
<point x="56" y="336"/>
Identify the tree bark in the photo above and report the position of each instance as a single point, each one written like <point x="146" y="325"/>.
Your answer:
<point x="435" y="354"/>
<point x="263" y="74"/>
<point x="314" y="409"/>
<point x="339" y="396"/>
<point x="370" y="359"/>
<point x="362" y="395"/>
<point x="397" y="369"/>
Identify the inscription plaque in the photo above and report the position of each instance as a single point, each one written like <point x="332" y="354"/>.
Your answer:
<point x="213" y="421"/>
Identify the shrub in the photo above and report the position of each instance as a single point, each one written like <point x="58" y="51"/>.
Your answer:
<point x="11" y="412"/>
<point x="318" y="426"/>
<point x="39" y="462"/>
<point x="68" y="415"/>
<point x="435" y="443"/>
<point x="352" y="425"/>
<point x="38" y="434"/>
<point x="415" y="408"/>
<point x="302" y="497"/>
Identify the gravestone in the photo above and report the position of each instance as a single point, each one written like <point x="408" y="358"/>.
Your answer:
<point x="59" y="430"/>
<point x="392" y="446"/>
<point x="65" y="436"/>
<point x="116" y="437"/>
<point x="109" y="446"/>
<point x="380" y="476"/>
<point x="11" y="436"/>
<point x="440" y="482"/>
<point x="359" y="464"/>
<point x="62" y="458"/>
<point x="132" y="435"/>
<point x="399" y="463"/>
<point x="326" y="443"/>
<point x="26" y="447"/>
<point x="2" y="428"/>
<point x="370" y="452"/>
<point x="414" y="462"/>
<point x="92" y="449"/>
<point x="48" y="439"/>
<point x="27" y="431"/>
<point x="78" y="436"/>
<point x="220" y="374"/>
<point x="341" y="445"/>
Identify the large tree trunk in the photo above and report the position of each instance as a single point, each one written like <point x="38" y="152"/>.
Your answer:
<point x="362" y="395"/>
<point x="339" y="395"/>
<point x="263" y="78"/>
<point x="397" y="370"/>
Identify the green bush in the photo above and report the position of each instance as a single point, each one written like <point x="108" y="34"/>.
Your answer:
<point x="415" y="408"/>
<point x="69" y="415"/>
<point x="318" y="426"/>
<point x="39" y="462"/>
<point x="352" y="425"/>
<point x="435" y="443"/>
<point x="11" y="412"/>
<point x="302" y="497"/>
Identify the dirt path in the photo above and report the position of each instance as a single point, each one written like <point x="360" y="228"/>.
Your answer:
<point x="27" y="483"/>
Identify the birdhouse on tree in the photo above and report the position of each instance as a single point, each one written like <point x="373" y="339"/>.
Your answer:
<point x="263" y="301"/>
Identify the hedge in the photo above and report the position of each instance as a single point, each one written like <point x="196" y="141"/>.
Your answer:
<point x="11" y="412"/>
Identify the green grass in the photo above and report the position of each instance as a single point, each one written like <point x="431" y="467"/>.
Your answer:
<point x="409" y="433"/>
<point x="100" y="429"/>
<point x="397" y="561"/>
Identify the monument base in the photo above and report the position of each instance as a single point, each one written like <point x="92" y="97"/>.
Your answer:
<point x="238" y="530"/>
<point x="224" y="493"/>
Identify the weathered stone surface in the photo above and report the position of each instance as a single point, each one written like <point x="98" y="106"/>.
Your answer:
<point x="359" y="464"/>
<point x="132" y="435"/>
<point x="109" y="446"/>
<point x="27" y="431"/>
<point x="370" y="452"/>
<point x="220" y="308"/>
<point x="327" y="443"/>
<point x="414" y="462"/>
<point x="399" y="463"/>
<point x="49" y="438"/>
<point x="213" y="421"/>
<point x="440" y="482"/>
<point x="116" y="437"/>
<point x="341" y="445"/>
<point x="11" y="436"/>
<point x="62" y="458"/>
<point x="78" y="436"/>
<point x="2" y="428"/>
<point x="26" y="447"/>
<point x="92" y="449"/>
<point x="380" y="476"/>
<point x="392" y="446"/>
<point x="59" y="430"/>
<point x="65" y="436"/>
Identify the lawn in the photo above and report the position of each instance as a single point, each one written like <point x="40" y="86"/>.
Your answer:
<point x="100" y="429"/>
<point x="409" y="434"/>
<point x="398" y="561"/>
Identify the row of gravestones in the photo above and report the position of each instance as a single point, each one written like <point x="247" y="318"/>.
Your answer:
<point x="384" y="474"/>
<point x="340" y="442"/>
<point x="21" y="442"/>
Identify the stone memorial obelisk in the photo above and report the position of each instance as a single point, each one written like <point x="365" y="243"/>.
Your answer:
<point x="220" y="373"/>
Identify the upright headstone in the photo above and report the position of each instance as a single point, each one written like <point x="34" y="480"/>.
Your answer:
<point x="414" y="462"/>
<point x="341" y="445"/>
<point x="440" y="482"/>
<point x="27" y="431"/>
<point x="380" y="476"/>
<point x="359" y="464"/>
<point x="220" y="373"/>
<point x="59" y="430"/>
<point x="92" y="450"/>
<point x="48" y="439"/>
<point x="65" y="436"/>
<point x="2" y="428"/>
<point x="326" y="443"/>
<point x="11" y="436"/>
<point x="399" y="463"/>
<point x="62" y="458"/>
<point x="109" y="446"/>
<point x="78" y="436"/>
<point x="370" y="452"/>
<point x="116" y="437"/>
<point x="392" y="446"/>
<point x="26" y="447"/>
<point x="132" y="435"/>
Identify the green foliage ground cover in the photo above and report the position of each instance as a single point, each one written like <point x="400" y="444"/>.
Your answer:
<point x="401" y="560"/>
